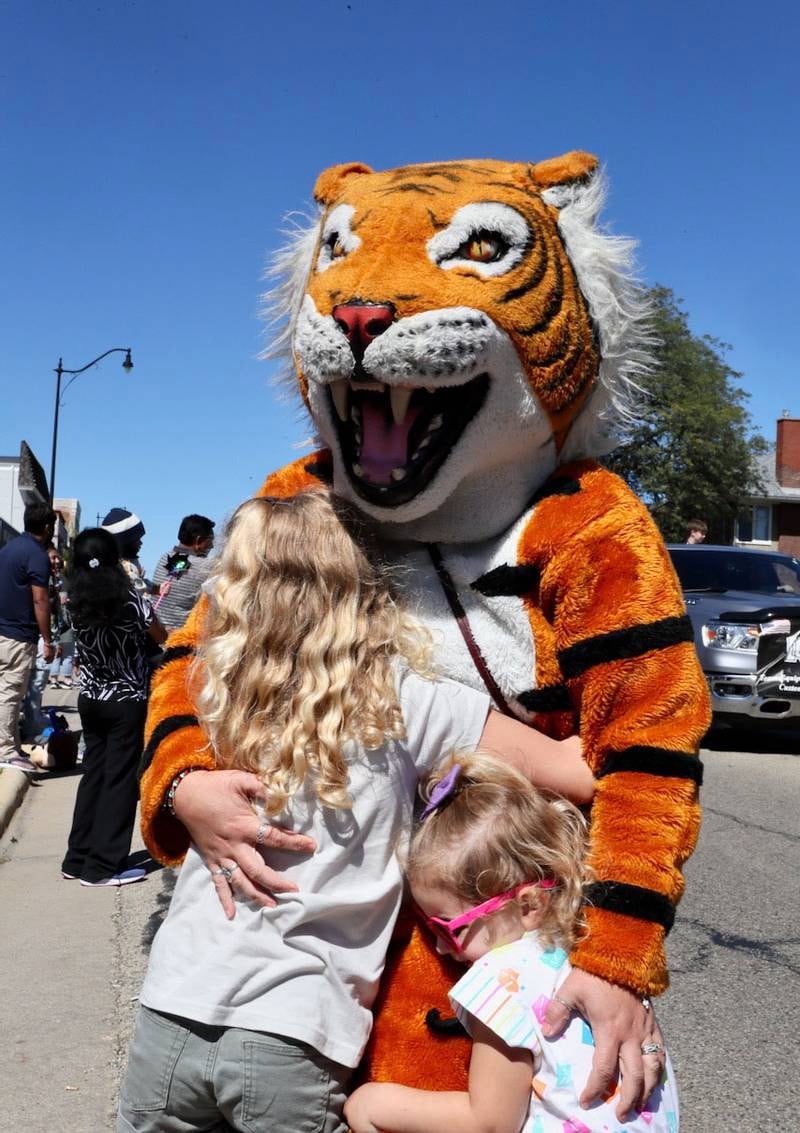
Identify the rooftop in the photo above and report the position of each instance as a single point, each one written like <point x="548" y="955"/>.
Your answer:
<point x="772" y="490"/>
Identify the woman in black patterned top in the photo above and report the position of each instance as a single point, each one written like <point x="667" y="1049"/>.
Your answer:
<point x="112" y="624"/>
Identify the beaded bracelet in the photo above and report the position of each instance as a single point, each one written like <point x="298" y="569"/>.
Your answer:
<point x="169" y="798"/>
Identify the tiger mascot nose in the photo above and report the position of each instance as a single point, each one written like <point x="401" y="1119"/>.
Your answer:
<point x="362" y="322"/>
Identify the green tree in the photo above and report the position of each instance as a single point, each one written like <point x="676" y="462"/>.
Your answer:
<point x="693" y="453"/>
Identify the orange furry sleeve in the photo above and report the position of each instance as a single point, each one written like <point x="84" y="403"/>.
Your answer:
<point x="173" y="738"/>
<point x="626" y="654"/>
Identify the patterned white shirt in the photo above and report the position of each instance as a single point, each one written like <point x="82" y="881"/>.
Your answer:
<point x="509" y="990"/>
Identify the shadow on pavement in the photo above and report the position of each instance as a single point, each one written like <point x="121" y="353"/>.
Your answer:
<point x="764" y="739"/>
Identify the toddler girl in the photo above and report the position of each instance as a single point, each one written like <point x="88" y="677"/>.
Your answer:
<point x="496" y="871"/>
<point x="310" y="675"/>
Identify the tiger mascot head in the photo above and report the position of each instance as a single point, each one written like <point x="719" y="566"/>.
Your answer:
<point x="458" y="329"/>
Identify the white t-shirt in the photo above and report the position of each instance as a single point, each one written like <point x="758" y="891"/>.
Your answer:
<point x="509" y="990"/>
<point x="309" y="968"/>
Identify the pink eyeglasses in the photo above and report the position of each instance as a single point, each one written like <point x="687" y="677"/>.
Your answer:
<point x="445" y="930"/>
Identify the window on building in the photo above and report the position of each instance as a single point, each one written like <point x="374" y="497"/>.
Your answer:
<point x="754" y="524"/>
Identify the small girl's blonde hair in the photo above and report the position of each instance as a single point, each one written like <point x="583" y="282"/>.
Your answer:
<point x="297" y="654"/>
<point x="497" y="831"/>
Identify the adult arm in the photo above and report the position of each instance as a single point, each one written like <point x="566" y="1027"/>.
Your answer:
<point x="496" y="1102"/>
<point x="41" y="611"/>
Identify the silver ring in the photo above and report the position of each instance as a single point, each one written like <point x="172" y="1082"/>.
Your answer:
<point x="217" y="872"/>
<point x="652" y="1048"/>
<point x="228" y="873"/>
<point x="569" y="1006"/>
<point x="260" y="833"/>
<point x="646" y="1002"/>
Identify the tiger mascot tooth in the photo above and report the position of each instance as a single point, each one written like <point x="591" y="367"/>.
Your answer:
<point x="467" y="341"/>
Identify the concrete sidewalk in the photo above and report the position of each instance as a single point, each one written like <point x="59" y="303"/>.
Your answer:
<point x="74" y="959"/>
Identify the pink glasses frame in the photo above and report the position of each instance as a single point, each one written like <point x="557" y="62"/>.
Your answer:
<point x="445" y="929"/>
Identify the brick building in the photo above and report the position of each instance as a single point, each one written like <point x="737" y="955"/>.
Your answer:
<point x="772" y="519"/>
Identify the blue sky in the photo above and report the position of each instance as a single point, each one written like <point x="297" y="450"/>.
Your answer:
<point x="152" y="149"/>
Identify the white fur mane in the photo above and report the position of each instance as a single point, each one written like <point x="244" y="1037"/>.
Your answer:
<point x="605" y="267"/>
<point x="606" y="272"/>
<point x="288" y="272"/>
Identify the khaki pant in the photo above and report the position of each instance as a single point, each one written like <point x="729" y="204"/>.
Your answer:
<point x="16" y="659"/>
<point x="186" y="1077"/>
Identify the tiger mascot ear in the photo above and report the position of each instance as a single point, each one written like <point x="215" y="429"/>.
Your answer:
<point x="570" y="167"/>
<point x="329" y="183"/>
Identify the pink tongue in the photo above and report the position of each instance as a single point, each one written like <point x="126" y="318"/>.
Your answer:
<point x="384" y="445"/>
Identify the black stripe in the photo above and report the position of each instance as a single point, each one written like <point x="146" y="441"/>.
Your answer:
<point x="321" y="469"/>
<point x="549" y="698"/>
<point x="559" y="352"/>
<point x="160" y="733"/>
<point x="632" y="900"/>
<point x="174" y="653"/>
<point x="553" y="307"/>
<point x="507" y="581"/>
<point x="624" y="643"/>
<point x="431" y="168"/>
<point x="564" y="373"/>
<point x="556" y="486"/>
<point x="413" y="187"/>
<point x="533" y="280"/>
<point x="654" y="761"/>
<point x="446" y="1027"/>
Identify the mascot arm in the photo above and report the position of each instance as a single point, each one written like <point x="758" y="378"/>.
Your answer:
<point x="626" y="651"/>
<point x="173" y="741"/>
<point x="173" y="738"/>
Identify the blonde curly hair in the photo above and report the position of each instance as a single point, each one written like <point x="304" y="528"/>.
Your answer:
<point x="298" y="650"/>
<point x="497" y="831"/>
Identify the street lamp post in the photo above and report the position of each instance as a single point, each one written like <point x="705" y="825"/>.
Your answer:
<point x="127" y="365"/>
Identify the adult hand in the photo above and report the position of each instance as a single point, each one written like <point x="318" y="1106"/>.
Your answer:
<point x="48" y="653"/>
<point x="620" y="1024"/>
<point x="216" y="807"/>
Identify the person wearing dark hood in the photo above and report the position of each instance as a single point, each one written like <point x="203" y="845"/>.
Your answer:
<point x="128" y="531"/>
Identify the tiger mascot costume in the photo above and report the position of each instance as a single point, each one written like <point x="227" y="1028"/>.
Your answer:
<point x="466" y="339"/>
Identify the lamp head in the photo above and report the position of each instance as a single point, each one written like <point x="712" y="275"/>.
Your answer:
<point x="127" y="363"/>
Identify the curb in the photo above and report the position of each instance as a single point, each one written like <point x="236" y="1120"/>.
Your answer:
<point x="13" y="785"/>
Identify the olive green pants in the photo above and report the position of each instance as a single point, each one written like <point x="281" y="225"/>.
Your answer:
<point x="187" y="1077"/>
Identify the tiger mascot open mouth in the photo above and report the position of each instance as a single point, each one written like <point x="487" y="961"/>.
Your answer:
<point x="441" y="336"/>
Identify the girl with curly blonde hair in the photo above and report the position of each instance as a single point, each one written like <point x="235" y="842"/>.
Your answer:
<point x="497" y="872"/>
<point x="311" y="675"/>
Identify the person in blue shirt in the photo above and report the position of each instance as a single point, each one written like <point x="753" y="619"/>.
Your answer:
<point x="24" y="617"/>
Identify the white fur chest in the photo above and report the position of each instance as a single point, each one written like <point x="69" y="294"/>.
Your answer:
<point x="499" y="625"/>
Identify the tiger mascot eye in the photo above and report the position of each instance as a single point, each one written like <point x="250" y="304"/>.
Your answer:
<point x="467" y="342"/>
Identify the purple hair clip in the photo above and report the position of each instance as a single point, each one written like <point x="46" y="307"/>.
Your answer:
<point x="444" y="790"/>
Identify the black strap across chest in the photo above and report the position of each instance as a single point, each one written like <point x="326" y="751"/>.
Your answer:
<point x="462" y="621"/>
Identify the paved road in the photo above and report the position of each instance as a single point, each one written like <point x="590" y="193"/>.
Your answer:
<point x="732" y="1015"/>
<point x="74" y="959"/>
